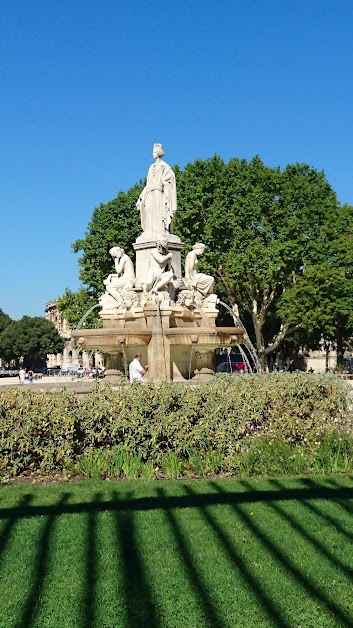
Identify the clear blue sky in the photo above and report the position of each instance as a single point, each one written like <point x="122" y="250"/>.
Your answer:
<point x="87" y="86"/>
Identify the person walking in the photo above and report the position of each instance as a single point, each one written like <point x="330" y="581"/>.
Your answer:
<point x="30" y="376"/>
<point x="136" y="370"/>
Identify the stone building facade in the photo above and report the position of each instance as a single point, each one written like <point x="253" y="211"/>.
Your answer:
<point x="70" y="354"/>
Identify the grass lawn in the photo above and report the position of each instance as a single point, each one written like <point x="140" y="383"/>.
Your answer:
<point x="256" y="553"/>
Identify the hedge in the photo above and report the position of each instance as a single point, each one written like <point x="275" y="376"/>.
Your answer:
<point x="44" y="432"/>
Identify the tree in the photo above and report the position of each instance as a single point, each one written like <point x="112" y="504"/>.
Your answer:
<point x="5" y="320"/>
<point x="74" y="305"/>
<point x="262" y="226"/>
<point x="116" y="223"/>
<point x="321" y="301"/>
<point x="32" y="338"/>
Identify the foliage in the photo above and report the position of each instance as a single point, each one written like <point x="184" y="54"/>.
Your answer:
<point x="5" y="320"/>
<point x="30" y="337"/>
<point x="73" y="305"/>
<point x="165" y="424"/>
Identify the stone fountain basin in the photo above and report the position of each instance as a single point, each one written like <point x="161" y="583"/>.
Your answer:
<point x="214" y="336"/>
<point x="107" y="339"/>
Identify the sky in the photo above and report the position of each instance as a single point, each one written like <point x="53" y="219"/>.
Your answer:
<point x="87" y="87"/>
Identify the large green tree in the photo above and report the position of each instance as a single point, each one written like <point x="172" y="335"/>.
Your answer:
<point x="32" y="338"/>
<point x="262" y="227"/>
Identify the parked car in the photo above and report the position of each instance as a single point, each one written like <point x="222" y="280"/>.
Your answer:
<point x="40" y="370"/>
<point x="232" y="364"/>
<point x="54" y="370"/>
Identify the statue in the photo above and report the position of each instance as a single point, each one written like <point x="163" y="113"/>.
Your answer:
<point x="160" y="270"/>
<point x="204" y="284"/>
<point x="123" y="278"/>
<point x="157" y="202"/>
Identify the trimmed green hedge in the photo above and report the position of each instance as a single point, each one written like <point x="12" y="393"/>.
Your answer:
<point x="46" y="432"/>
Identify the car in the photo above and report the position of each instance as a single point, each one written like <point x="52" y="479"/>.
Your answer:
<point x="234" y="363"/>
<point x="54" y="370"/>
<point x="40" y="370"/>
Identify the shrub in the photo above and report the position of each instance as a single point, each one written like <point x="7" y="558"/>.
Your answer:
<point x="208" y="427"/>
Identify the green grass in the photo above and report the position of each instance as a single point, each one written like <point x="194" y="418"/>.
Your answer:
<point x="254" y="553"/>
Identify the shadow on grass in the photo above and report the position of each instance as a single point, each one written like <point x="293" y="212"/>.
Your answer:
<point x="140" y="606"/>
<point x="41" y="567"/>
<point x="138" y="599"/>
<point x="91" y="566"/>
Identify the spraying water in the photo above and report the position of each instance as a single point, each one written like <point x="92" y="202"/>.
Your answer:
<point x="82" y="320"/>
<point x="248" y="343"/>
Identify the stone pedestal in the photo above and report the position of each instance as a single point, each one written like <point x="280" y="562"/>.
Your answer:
<point x="115" y="368"/>
<point x="146" y="243"/>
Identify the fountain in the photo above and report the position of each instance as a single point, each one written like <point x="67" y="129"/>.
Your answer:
<point x="154" y="310"/>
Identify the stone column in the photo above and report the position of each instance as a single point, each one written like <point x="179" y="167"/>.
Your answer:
<point x="158" y="352"/>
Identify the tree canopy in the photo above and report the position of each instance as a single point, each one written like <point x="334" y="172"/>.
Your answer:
<point x="31" y="338"/>
<point x="278" y="243"/>
<point x="5" y="320"/>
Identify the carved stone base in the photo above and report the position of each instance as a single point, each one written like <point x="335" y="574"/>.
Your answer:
<point x="202" y="375"/>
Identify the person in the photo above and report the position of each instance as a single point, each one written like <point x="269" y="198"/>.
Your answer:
<point x="160" y="270"/>
<point x="30" y="376"/>
<point x="22" y="375"/>
<point x="158" y="202"/>
<point x="136" y="370"/>
<point x="124" y="277"/>
<point x="204" y="284"/>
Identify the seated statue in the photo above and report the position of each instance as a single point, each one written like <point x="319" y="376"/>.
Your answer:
<point x="160" y="270"/>
<point x="123" y="278"/>
<point x="203" y="284"/>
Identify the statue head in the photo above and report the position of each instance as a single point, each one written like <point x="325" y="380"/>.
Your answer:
<point x="158" y="151"/>
<point x="116" y="251"/>
<point x="162" y="243"/>
<point x="199" y="248"/>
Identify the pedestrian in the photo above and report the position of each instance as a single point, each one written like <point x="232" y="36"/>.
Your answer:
<point x="136" y="370"/>
<point x="30" y="376"/>
<point x="22" y="375"/>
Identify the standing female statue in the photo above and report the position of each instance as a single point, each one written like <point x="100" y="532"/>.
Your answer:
<point x="157" y="202"/>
